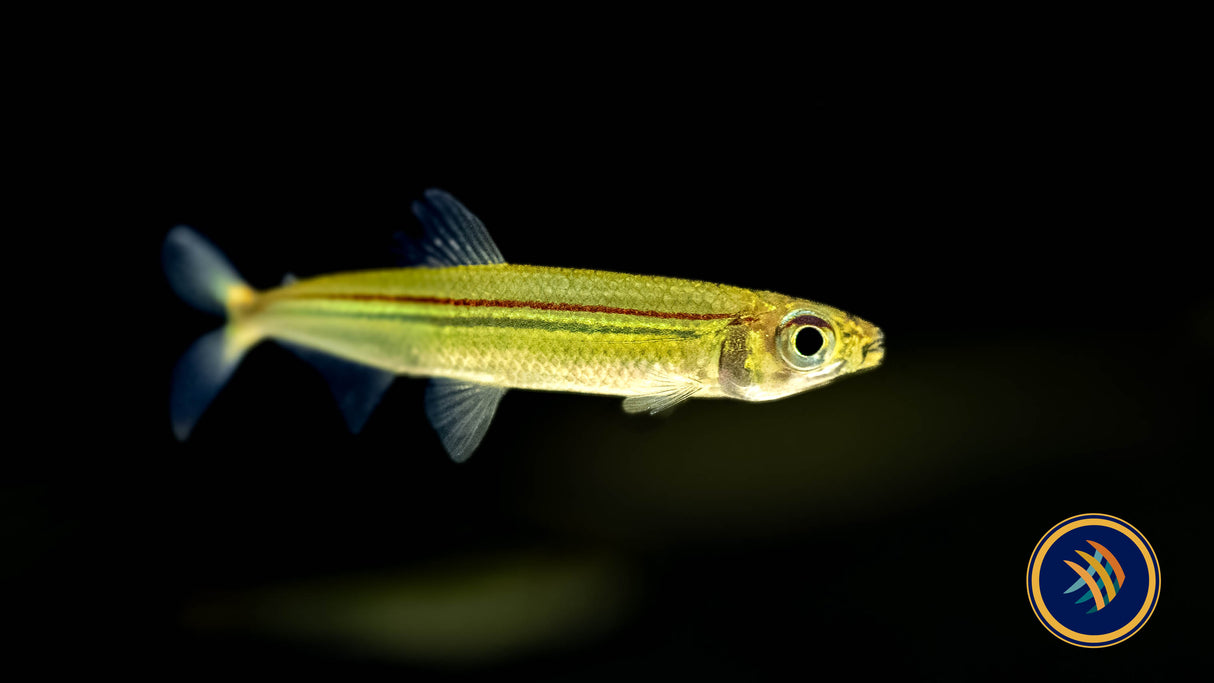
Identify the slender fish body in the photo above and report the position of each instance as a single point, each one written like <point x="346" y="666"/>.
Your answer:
<point x="479" y="326"/>
<point x="526" y="327"/>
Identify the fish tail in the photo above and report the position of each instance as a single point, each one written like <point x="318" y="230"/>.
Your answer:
<point x="200" y="274"/>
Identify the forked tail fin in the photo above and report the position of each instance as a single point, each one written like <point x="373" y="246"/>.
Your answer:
<point x="200" y="274"/>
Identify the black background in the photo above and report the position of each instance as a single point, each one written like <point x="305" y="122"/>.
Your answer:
<point x="1022" y="220"/>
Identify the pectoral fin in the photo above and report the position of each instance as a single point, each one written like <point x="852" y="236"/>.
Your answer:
<point x="461" y="412"/>
<point x="666" y="392"/>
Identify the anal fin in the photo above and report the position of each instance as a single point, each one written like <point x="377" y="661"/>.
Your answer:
<point x="461" y="412"/>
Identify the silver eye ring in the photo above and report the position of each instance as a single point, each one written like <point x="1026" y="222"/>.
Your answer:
<point x="795" y="337"/>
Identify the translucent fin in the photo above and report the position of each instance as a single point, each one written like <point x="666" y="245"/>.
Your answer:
<point x="461" y="412"/>
<point x="666" y="393"/>
<point x="202" y="371"/>
<point x="200" y="274"/>
<point x="357" y="387"/>
<point x="453" y="235"/>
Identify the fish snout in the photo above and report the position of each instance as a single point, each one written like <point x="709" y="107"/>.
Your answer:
<point x="874" y="351"/>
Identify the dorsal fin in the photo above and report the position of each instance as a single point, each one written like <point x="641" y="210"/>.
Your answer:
<point x="453" y="235"/>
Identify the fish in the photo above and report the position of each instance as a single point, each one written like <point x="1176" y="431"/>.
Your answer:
<point x="476" y="326"/>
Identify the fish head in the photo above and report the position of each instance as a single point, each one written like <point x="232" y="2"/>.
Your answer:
<point x="794" y="345"/>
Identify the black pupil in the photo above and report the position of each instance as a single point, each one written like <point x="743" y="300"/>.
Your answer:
<point x="808" y="341"/>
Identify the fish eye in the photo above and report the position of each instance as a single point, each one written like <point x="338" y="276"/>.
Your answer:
<point x="805" y="339"/>
<point x="808" y="340"/>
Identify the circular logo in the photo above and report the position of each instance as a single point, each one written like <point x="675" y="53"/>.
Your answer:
<point x="1093" y="580"/>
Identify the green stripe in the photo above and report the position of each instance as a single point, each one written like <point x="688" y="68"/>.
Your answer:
<point x="514" y="323"/>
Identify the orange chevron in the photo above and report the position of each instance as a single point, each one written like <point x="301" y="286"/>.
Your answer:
<point x="1112" y="561"/>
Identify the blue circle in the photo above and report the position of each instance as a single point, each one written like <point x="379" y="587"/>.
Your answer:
<point x="1076" y="610"/>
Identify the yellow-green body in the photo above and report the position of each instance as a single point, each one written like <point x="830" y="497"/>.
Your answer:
<point x="554" y="329"/>
<point x="480" y="326"/>
<point x="532" y="327"/>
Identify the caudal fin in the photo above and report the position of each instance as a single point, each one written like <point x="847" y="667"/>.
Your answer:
<point x="200" y="274"/>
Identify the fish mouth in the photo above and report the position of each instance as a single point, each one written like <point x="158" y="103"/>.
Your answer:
<point x="874" y="351"/>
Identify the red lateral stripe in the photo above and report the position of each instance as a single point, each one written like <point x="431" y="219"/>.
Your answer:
<point x="508" y="303"/>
